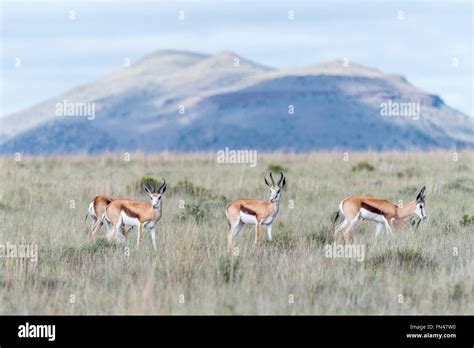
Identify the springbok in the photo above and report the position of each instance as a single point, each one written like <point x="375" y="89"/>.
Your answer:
<point x="383" y="212"/>
<point x="134" y="213"/>
<point x="96" y="209"/>
<point x="245" y="211"/>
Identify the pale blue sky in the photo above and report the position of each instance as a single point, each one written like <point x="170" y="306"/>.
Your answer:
<point x="58" y="53"/>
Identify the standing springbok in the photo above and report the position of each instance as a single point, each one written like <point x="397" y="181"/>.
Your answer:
<point x="245" y="211"/>
<point x="134" y="213"/>
<point x="356" y="208"/>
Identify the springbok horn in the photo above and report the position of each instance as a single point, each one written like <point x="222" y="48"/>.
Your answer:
<point x="266" y="181"/>
<point x="146" y="187"/>
<point x="162" y="185"/>
<point x="281" y="179"/>
<point x="271" y="177"/>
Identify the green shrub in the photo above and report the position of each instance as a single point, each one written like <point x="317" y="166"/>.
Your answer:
<point x="206" y="196"/>
<point x="188" y="188"/>
<point x="403" y="258"/>
<point x="467" y="220"/>
<point x="192" y="211"/>
<point x="150" y="181"/>
<point x="276" y="168"/>
<point x="408" y="173"/>
<point x="363" y="166"/>
<point x="457" y="292"/>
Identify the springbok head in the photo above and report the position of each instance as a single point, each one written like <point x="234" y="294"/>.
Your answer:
<point x="420" y="204"/>
<point x="275" y="189"/>
<point x="155" y="194"/>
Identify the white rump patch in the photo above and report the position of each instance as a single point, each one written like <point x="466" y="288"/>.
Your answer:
<point x="91" y="209"/>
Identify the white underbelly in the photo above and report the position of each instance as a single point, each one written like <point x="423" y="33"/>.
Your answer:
<point x="247" y="218"/>
<point x="129" y="221"/>
<point x="368" y="215"/>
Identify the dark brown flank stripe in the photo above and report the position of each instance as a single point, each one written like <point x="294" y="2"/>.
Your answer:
<point x="129" y="212"/>
<point x="248" y="211"/>
<point x="371" y="208"/>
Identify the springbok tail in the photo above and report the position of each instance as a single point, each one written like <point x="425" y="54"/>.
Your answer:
<point x="336" y="216"/>
<point x="97" y="225"/>
<point x="85" y="220"/>
<point x="227" y="215"/>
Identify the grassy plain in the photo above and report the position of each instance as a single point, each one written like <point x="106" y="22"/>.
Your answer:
<point x="43" y="202"/>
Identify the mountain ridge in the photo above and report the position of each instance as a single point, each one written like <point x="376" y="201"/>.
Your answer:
<point x="199" y="102"/>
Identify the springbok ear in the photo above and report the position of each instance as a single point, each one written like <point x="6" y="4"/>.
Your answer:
<point x="421" y="195"/>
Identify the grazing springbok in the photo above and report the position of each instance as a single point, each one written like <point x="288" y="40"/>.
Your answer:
<point x="383" y="212"/>
<point x="245" y="211"/>
<point x="134" y="213"/>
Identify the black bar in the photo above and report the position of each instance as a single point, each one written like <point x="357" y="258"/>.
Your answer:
<point x="261" y="330"/>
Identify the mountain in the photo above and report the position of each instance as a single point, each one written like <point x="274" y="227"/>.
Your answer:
<point x="183" y="101"/>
